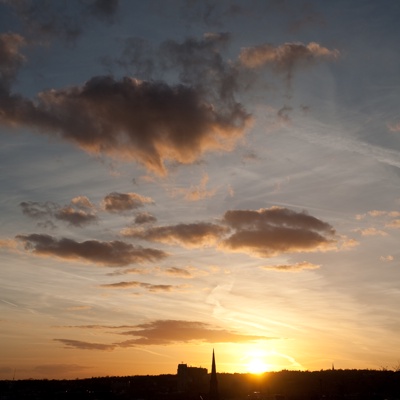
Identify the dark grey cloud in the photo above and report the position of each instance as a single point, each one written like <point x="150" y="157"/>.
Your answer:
<point x="104" y="9"/>
<point x="114" y="253"/>
<point x="264" y="232"/>
<point x="144" y="218"/>
<point x="35" y="209"/>
<point x="120" y="202"/>
<point x="11" y="59"/>
<point x="80" y="212"/>
<point x="135" y="284"/>
<point x="149" y="122"/>
<point x="269" y="232"/>
<point x="46" y="20"/>
<point x="75" y="217"/>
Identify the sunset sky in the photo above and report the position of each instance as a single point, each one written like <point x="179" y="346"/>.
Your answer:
<point x="183" y="175"/>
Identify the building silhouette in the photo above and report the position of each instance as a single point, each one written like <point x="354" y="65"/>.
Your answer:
<point x="190" y="379"/>
<point x="213" y="395"/>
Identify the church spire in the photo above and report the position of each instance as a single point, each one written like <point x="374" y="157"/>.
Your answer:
<point x="213" y="380"/>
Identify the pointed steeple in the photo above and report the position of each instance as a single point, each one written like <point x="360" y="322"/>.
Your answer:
<point x="213" y="380"/>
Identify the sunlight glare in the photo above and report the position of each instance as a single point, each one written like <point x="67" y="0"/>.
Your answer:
<point x="256" y="366"/>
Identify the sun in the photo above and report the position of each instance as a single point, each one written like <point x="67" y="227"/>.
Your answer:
<point x="256" y="365"/>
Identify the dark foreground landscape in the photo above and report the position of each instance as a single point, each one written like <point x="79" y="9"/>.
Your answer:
<point x="283" y="385"/>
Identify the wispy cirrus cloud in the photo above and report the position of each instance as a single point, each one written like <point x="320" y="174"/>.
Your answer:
<point x="114" y="253"/>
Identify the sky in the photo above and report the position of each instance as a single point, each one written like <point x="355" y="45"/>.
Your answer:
<point x="181" y="176"/>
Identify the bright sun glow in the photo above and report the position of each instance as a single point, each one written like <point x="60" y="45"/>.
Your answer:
<point x="256" y="366"/>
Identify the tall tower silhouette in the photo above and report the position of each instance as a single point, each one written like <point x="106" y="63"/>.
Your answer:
<point x="213" y="381"/>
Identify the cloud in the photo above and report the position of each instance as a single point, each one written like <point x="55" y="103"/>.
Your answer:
<point x="77" y="344"/>
<point x="371" y="232"/>
<point x="268" y="232"/>
<point x="10" y="58"/>
<point x="285" y="57"/>
<point x="179" y="272"/>
<point x="75" y="217"/>
<point x="188" y="235"/>
<point x="197" y="192"/>
<point x="394" y="127"/>
<point x="164" y="332"/>
<point x="134" y="284"/>
<point x="78" y="213"/>
<point x="150" y="122"/>
<point x="82" y="202"/>
<point x="34" y="209"/>
<point x="44" y="20"/>
<point x="144" y="218"/>
<point x="8" y="244"/>
<point x="113" y="253"/>
<point x="388" y="258"/>
<point x="263" y="233"/>
<point x="119" y="202"/>
<point x="395" y="224"/>
<point x="292" y="267"/>
<point x="104" y="9"/>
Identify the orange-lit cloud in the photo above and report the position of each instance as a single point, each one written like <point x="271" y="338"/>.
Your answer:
<point x="119" y="202"/>
<point x="394" y="127"/>
<point x="196" y="192"/>
<point x="179" y="272"/>
<point x="78" y="344"/>
<point x="114" y="253"/>
<point x="395" y="224"/>
<point x="166" y="332"/>
<point x="292" y="267"/>
<point x="285" y="57"/>
<point x="82" y="202"/>
<point x="163" y="332"/>
<point x="371" y="232"/>
<point x="8" y="244"/>
<point x="188" y="235"/>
